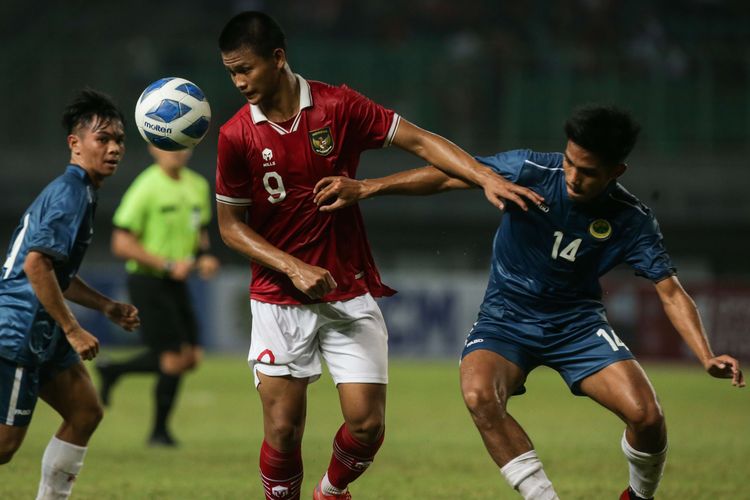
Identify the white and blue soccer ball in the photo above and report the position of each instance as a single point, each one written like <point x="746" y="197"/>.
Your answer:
<point x="173" y="114"/>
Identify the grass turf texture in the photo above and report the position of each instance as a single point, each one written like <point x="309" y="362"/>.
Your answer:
<point x="431" y="451"/>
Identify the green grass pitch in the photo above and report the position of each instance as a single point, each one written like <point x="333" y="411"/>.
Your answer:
<point x="431" y="451"/>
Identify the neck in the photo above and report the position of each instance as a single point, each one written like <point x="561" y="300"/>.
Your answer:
<point x="96" y="180"/>
<point x="171" y="171"/>
<point x="284" y="104"/>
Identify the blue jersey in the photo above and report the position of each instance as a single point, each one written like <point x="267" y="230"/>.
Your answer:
<point x="547" y="262"/>
<point x="59" y="223"/>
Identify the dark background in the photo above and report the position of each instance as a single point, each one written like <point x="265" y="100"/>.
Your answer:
<point x="489" y="75"/>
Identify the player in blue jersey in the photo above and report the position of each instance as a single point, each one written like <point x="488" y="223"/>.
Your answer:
<point x="41" y="342"/>
<point x="543" y="301"/>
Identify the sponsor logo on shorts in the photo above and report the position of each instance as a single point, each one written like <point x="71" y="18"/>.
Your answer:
<point x="475" y="341"/>
<point x="22" y="412"/>
<point x="544" y="208"/>
<point x="269" y="353"/>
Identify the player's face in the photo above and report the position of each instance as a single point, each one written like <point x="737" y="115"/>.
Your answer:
<point x="585" y="176"/>
<point x="256" y="77"/>
<point x="98" y="147"/>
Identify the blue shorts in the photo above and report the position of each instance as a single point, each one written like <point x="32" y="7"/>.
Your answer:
<point x="19" y="385"/>
<point x="585" y="347"/>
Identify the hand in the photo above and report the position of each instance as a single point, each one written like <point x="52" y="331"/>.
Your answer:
<point x="498" y="189"/>
<point x="333" y="193"/>
<point x="85" y="344"/>
<point x="725" y="367"/>
<point x="207" y="266"/>
<point x="122" y="314"/>
<point x="313" y="281"/>
<point x="181" y="269"/>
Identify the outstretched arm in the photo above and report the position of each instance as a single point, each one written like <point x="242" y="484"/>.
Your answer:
<point x="684" y="316"/>
<point x="313" y="281"/>
<point x="332" y="193"/>
<point x="119" y="313"/>
<point x="456" y="162"/>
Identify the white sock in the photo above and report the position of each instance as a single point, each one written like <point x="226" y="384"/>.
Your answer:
<point x="60" y="466"/>
<point x="525" y="474"/>
<point x="329" y="489"/>
<point x="646" y="469"/>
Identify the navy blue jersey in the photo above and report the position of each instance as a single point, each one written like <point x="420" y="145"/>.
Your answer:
<point x="59" y="223"/>
<point x="547" y="262"/>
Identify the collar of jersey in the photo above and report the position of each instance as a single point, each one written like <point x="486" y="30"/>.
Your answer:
<point x="601" y="197"/>
<point x="305" y="101"/>
<point x="78" y="171"/>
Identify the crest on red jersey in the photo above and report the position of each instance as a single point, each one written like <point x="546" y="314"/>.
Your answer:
<point x="322" y="141"/>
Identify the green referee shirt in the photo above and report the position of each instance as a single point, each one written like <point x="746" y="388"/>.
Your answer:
<point x="165" y="214"/>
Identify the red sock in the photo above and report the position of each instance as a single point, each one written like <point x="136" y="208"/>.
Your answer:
<point x="350" y="458"/>
<point x="280" y="472"/>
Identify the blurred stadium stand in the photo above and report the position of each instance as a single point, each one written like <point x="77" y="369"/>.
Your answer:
<point x="489" y="75"/>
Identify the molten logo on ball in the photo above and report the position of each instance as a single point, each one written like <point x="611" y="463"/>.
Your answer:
<point x="173" y="114"/>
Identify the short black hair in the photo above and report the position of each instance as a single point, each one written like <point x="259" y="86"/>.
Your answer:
<point x="88" y="104"/>
<point x="256" y="30"/>
<point x="608" y="132"/>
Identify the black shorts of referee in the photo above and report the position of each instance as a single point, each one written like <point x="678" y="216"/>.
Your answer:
<point x="166" y="312"/>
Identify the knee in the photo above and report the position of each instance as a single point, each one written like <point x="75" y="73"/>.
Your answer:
<point x="86" y="420"/>
<point x="8" y="448"/>
<point x="647" y="419"/>
<point x="368" y="430"/>
<point x="485" y="402"/>
<point x="284" y="435"/>
<point x="191" y="362"/>
<point x="6" y="454"/>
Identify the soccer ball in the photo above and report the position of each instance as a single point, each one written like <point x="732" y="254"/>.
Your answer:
<point x="172" y="114"/>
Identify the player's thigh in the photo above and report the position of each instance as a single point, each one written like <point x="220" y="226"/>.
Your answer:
<point x="624" y="389"/>
<point x="71" y="393"/>
<point x="284" y="401"/>
<point x="354" y="343"/>
<point x="488" y="376"/>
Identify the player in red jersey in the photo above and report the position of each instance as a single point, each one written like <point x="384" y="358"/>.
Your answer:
<point x="313" y="276"/>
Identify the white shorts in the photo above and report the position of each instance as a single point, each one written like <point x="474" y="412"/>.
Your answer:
<point x="350" y="336"/>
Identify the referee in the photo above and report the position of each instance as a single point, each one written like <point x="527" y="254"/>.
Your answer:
<point x="160" y="229"/>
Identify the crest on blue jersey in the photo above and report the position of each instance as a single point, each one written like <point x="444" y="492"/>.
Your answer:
<point x="322" y="141"/>
<point x="600" y="229"/>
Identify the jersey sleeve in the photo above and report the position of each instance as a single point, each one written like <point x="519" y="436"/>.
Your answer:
<point x="508" y="164"/>
<point x="647" y="254"/>
<point x="233" y="182"/>
<point x="53" y="227"/>
<point x="133" y="209"/>
<point x="373" y="124"/>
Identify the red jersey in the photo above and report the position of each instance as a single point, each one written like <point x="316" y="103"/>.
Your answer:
<point x="272" y="169"/>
